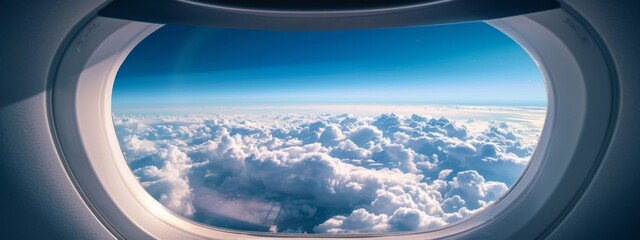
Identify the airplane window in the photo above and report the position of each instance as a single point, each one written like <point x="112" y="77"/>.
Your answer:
<point x="351" y="131"/>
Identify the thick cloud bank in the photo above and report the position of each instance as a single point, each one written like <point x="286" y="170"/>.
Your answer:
<point x="324" y="173"/>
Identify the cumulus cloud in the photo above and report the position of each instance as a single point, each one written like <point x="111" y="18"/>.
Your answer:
<point x="357" y="221"/>
<point x="411" y="219"/>
<point x="135" y="148"/>
<point x="168" y="183"/>
<point x="365" y="136"/>
<point x="472" y="187"/>
<point x="321" y="173"/>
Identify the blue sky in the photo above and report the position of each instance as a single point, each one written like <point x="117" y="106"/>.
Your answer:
<point x="186" y="67"/>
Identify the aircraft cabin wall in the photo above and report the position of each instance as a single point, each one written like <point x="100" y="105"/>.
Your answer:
<point x="41" y="202"/>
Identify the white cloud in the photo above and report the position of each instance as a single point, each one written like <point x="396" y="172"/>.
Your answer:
<point x="365" y="136"/>
<point x="453" y="204"/>
<point x="331" y="135"/>
<point x="472" y="187"/>
<point x="410" y="219"/>
<point x="349" y="150"/>
<point x="444" y="174"/>
<point x="322" y="173"/>
<point x="358" y="221"/>
<point x="135" y="148"/>
<point x="169" y="183"/>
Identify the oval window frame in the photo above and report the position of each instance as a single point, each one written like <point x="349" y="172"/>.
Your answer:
<point x="562" y="51"/>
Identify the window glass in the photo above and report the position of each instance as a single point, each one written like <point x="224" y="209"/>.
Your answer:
<point x="357" y="131"/>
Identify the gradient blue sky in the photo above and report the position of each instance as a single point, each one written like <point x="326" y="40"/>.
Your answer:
<point x="466" y="64"/>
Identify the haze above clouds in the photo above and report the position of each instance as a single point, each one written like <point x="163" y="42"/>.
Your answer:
<point x="329" y="173"/>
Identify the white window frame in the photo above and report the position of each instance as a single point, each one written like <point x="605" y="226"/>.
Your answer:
<point x="573" y="64"/>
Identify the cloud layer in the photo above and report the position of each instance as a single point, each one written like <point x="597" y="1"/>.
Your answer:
<point x="332" y="173"/>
